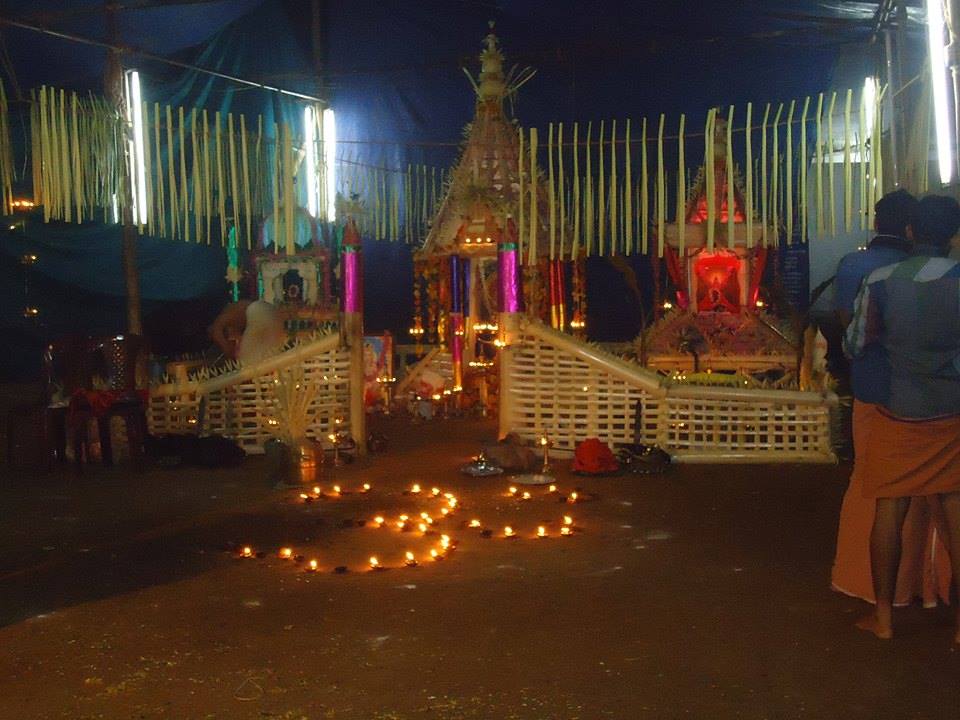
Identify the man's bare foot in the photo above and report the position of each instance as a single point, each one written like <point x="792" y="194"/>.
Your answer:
<point x="883" y="630"/>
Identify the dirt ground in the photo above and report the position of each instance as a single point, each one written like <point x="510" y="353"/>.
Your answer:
<point x="702" y="593"/>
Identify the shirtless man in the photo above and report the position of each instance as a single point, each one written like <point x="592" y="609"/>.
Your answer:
<point x="248" y="331"/>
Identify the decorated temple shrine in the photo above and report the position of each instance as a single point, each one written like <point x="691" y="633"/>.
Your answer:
<point x="715" y="319"/>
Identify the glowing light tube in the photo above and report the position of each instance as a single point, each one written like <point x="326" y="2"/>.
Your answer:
<point x="938" y="80"/>
<point x="329" y="160"/>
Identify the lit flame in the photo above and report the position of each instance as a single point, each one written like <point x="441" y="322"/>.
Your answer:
<point x="474" y="523"/>
<point x="374" y="563"/>
<point x="422" y="527"/>
<point x="541" y="531"/>
<point x="508" y="531"/>
<point x="445" y="541"/>
<point x="312" y="566"/>
<point x="336" y="489"/>
<point x="526" y="495"/>
<point x="404" y="517"/>
<point x="553" y="488"/>
<point x="286" y="553"/>
<point x="435" y="491"/>
<point x="434" y="554"/>
<point x="411" y="560"/>
<point x="247" y="551"/>
<point x="513" y="490"/>
<point x="366" y="487"/>
<point x="444" y="511"/>
<point x="567" y="520"/>
<point x="379" y="520"/>
<point x="573" y="497"/>
<point x="565" y="530"/>
<point x="414" y="488"/>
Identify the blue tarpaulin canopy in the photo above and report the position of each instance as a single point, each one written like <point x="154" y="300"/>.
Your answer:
<point x="392" y="71"/>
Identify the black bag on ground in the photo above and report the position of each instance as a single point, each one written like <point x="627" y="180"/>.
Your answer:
<point x="211" y="451"/>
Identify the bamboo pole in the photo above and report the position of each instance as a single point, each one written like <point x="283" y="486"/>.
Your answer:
<point x="820" y="223"/>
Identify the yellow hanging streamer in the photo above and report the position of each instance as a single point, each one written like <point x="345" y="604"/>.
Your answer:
<point x="681" y="188"/>
<point x="731" y="202"/>
<point x="832" y="199"/>
<point x="661" y="191"/>
<point x="521" y="228"/>
<point x="710" y="173"/>
<point x="820" y="224"/>
<point x="804" y="161"/>
<point x="575" y="243"/>
<point x="788" y="185"/>
<point x="561" y="186"/>
<point x="534" y="212"/>
<point x="613" y="189"/>
<point x="628" y="194"/>
<point x="644" y="192"/>
<point x="775" y="184"/>
<point x="588" y="219"/>
<point x="764" y="197"/>
<point x="601" y="201"/>
<point x="847" y="166"/>
<point x="551" y="197"/>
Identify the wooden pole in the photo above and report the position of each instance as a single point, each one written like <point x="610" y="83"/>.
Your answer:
<point x="113" y="87"/>
<point x="352" y="329"/>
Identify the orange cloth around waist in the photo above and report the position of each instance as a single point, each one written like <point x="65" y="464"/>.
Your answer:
<point x="905" y="458"/>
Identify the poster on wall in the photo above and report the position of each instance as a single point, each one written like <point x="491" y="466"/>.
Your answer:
<point x="377" y="365"/>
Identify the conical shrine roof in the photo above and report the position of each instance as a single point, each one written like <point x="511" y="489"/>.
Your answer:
<point x="484" y="186"/>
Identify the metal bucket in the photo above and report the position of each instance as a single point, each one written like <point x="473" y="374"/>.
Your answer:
<point x="293" y="464"/>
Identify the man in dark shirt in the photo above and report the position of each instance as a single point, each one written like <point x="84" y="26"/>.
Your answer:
<point x="910" y="311"/>
<point x="870" y="380"/>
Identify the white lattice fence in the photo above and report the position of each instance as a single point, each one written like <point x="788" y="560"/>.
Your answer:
<point x="571" y="390"/>
<point x="243" y="409"/>
<point x="724" y="425"/>
<point x="563" y="394"/>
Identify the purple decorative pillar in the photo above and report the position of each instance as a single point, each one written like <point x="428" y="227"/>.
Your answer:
<point x="456" y="320"/>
